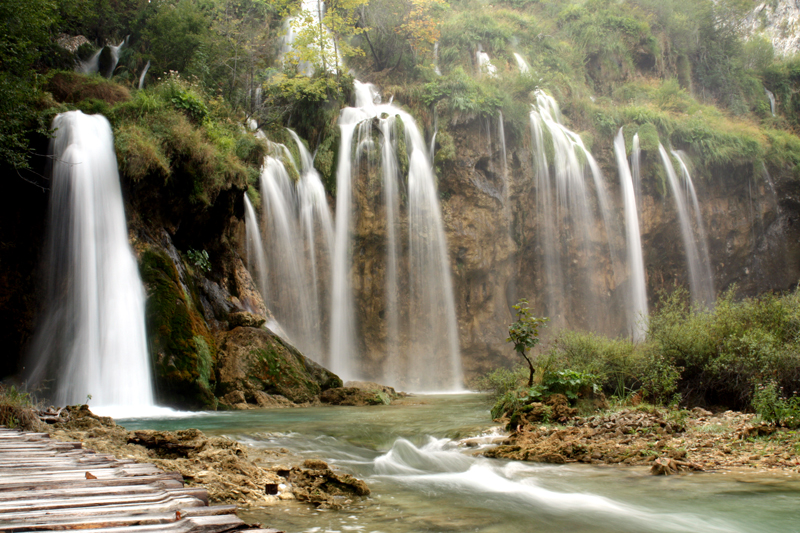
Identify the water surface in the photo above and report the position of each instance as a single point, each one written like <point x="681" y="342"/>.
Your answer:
<point x="422" y="481"/>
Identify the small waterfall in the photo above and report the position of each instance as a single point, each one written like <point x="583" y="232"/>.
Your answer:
<point x="485" y="65"/>
<point x="144" y="73"/>
<point x="568" y="227"/>
<point x="501" y="133"/>
<point x="636" y="171"/>
<point x="297" y="235"/>
<point x="423" y="323"/>
<point x="310" y="17"/>
<point x="637" y="300"/>
<point x="91" y="65"/>
<point x="436" y="68"/>
<point x="771" y="97"/>
<point x="701" y="280"/>
<point x="524" y="67"/>
<point x="91" y="339"/>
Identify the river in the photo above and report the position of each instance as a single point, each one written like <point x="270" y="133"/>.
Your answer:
<point x="423" y="481"/>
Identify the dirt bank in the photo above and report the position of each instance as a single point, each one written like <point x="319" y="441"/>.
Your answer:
<point x="667" y="441"/>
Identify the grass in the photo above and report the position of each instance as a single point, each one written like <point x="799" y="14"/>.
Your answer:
<point x="17" y="409"/>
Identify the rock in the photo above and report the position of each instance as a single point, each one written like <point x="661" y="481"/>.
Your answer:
<point x="318" y="484"/>
<point x="372" y="386"/>
<point x="246" y="320"/>
<point x="249" y="296"/>
<point x="255" y="360"/>
<point x="699" y="411"/>
<point x="354" y="396"/>
<point x="262" y="399"/>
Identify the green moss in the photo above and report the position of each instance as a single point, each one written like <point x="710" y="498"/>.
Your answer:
<point x="184" y="350"/>
<point x="648" y="137"/>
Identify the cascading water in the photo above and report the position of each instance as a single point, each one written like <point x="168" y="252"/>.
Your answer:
<point x="637" y="299"/>
<point x="701" y="280"/>
<point x="524" y="67"/>
<point x="296" y="224"/>
<point x="309" y="20"/>
<point x="419" y="308"/>
<point x="485" y="65"/>
<point x="636" y="170"/>
<point x="575" y="251"/>
<point x="771" y="97"/>
<point x="144" y="73"/>
<point x="91" y="339"/>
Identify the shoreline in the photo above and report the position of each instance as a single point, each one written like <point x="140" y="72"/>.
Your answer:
<point x="668" y="442"/>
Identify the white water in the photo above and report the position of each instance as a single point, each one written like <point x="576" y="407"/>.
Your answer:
<point x="485" y="65"/>
<point x="427" y="320"/>
<point x="524" y="67"/>
<point x="577" y="257"/>
<point x="91" y="338"/>
<point x="637" y="298"/>
<point x="92" y="65"/>
<point x="701" y="280"/>
<point x="636" y="171"/>
<point x="423" y="480"/>
<point x="291" y="251"/>
<point x="144" y="73"/>
<point x="771" y="97"/>
<point x="307" y="24"/>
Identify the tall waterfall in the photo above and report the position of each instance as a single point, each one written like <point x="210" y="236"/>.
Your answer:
<point x="297" y="226"/>
<point x="637" y="299"/>
<point x="91" y="338"/>
<point x="701" y="279"/>
<point x="576" y="255"/>
<point x="419" y="310"/>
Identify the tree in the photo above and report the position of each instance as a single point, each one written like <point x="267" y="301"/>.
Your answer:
<point x="524" y="333"/>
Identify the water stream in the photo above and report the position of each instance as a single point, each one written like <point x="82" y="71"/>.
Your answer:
<point x="422" y="481"/>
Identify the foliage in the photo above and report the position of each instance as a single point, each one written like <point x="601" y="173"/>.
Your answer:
<point x="524" y="333"/>
<point x="773" y="406"/>
<point x="17" y="409"/>
<point x="199" y="259"/>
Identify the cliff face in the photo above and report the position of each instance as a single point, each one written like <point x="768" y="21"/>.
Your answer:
<point x="778" y="21"/>
<point x="751" y="219"/>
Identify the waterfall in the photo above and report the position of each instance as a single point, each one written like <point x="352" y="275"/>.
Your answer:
<point x="771" y="97"/>
<point x="144" y="73"/>
<point x="501" y="133"/>
<point x="701" y="280"/>
<point x="637" y="300"/>
<point x="485" y="65"/>
<point x="295" y="252"/>
<point x="436" y="68"/>
<point x="636" y="171"/>
<point x="524" y="67"/>
<point x="568" y="228"/>
<point x="91" y="338"/>
<point x="309" y="19"/>
<point x="424" y="322"/>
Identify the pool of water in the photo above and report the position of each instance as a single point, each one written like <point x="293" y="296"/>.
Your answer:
<point x="423" y="481"/>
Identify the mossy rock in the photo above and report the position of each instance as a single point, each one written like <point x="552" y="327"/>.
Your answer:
<point x="72" y="87"/>
<point x="182" y="348"/>
<point x="255" y="359"/>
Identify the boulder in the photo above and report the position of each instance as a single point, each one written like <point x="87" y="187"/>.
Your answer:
<point x="255" y="360"/>
<point x="354" y="396"/>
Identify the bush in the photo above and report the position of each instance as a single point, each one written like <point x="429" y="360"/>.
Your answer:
<point x="773" y="406"/>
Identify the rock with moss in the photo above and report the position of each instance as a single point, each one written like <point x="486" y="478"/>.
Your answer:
<point x="254" y="361"/>
<point x="355" y="396"/>
<point x="183" y="349"/>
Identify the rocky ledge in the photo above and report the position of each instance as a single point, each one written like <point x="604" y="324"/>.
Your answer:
<point x="665" y="440"/>
<point x="231" y="472"/>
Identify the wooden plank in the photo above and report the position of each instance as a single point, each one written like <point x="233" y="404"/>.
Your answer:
<point x="39" y="503"/>
<point x="87" y="492"/>
<point x="121" y="510"/>
<point x="193" y="524"/>
<point x="165" y="481"/>
<point x="204" y="524"/>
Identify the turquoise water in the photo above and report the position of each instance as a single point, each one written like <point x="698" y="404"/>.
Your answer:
<point x="422" y="481"/>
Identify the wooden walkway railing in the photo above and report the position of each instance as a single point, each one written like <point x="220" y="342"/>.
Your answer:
<point x="47" y="485"/>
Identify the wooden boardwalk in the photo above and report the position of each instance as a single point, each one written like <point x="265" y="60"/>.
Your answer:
<point x="48" y="485"/>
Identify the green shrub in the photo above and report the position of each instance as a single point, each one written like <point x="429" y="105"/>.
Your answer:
<point x="772" y="406"/>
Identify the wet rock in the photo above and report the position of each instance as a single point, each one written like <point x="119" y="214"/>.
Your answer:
<point x="372" y="386"/>
<point x="245" y="319"/>
<point x="254" y="360"/>
<point x="316" y="483"/>
<point x="354" y="396"/>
